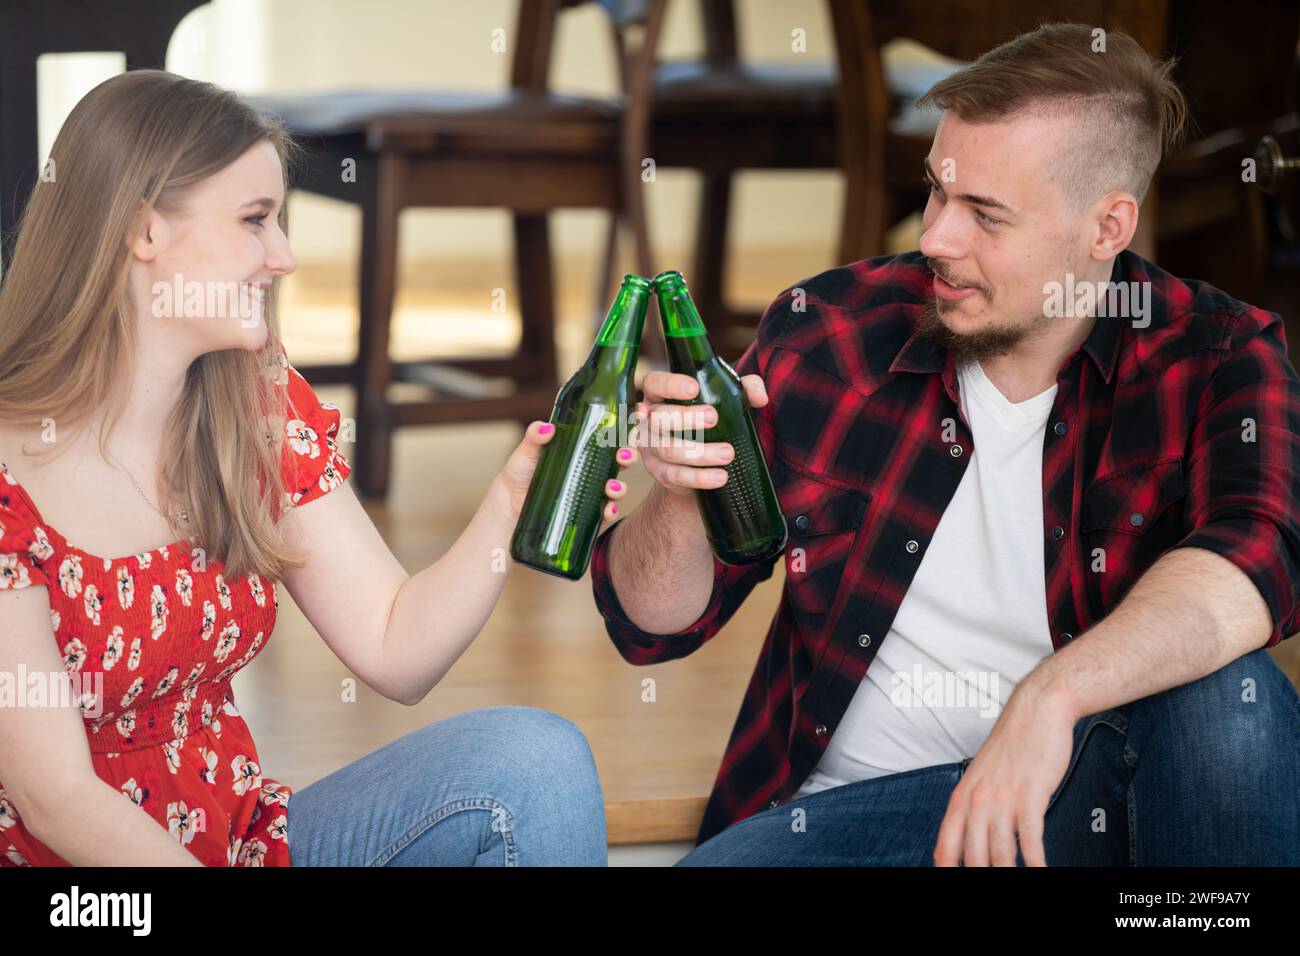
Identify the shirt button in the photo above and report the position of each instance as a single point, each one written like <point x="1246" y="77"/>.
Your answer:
<point x="821" y="730"/>
<point x="801" y="522"/>
<point x="1060" y="428"/>
<point x="954" y="450"/>
<point x="912" y="547"/>
<point x="773" y="804"/>
<point x="1135" y="520"/>
<point x="1058" y="533"/>
<point x="1066" y="637"/>
<point x="864" y="640"/>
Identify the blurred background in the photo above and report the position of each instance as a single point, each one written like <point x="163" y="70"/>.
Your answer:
<point x="510" y="159"/>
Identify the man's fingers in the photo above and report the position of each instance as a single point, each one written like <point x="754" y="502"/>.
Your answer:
<point x="664" y="420"/>
<point x="685" y="476"/>
<point x="952" y="832"/>
<point x="698" y="454"/>
<point x="975" y="848"/>
<point x="1030" y="826"/>
<point x="1002" y="839"/>
<point x="660" y="385"/>
<point x="755" y="390"/>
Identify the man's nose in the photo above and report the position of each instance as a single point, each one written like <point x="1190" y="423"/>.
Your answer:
<point x="944" y="237"/>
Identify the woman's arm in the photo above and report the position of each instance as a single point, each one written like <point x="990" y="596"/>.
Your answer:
<point x="45" y="761"/>
<point x="99" y="826"/>
<point x="401" y="633"/>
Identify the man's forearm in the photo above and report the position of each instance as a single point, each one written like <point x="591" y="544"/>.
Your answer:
<point x="661" y="565"/>
<point x="1192" y="612"/>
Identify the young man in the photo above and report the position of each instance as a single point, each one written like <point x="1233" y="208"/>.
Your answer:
<point x="1043" y="502"/>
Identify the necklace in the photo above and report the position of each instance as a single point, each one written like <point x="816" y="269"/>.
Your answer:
<point x="180" y="516"/>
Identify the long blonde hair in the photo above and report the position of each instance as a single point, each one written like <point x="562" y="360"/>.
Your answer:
<point x="68" y="328"/>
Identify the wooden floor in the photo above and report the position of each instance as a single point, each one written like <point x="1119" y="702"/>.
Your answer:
<point x="545" y="645"/>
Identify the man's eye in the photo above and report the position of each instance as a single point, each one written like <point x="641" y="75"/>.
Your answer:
<point x="988" y="220"/>
<point x="934" y="187"/>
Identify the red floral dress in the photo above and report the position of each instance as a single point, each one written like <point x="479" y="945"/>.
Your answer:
<point x="166" y="635"/>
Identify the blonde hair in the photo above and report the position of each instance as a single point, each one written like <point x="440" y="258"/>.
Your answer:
<point x="1128" y="109"/>
<point x="151" y="135"/>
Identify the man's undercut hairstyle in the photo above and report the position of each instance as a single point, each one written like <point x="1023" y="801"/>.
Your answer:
<point x="1128" y="111"/>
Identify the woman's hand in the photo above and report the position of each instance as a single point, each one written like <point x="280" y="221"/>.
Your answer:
<point x="515" y="477"/>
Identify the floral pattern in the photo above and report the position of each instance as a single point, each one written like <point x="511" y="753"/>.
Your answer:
<point x="165" y="631"/>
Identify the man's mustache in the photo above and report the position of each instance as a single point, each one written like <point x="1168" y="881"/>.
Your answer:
<point x="933" y="265"/>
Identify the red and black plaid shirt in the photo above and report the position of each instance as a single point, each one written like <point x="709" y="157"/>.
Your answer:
<point x="1181" y="429"/>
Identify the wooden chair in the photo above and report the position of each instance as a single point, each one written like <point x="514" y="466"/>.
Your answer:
<point x="1237" y="69"/>
<point x="140" y="29"/>
<point x="528" y="150"/>
<point x="719" y="115"/>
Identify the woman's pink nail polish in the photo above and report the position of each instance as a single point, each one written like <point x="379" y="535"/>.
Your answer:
<point x="545" y="429"/>
<point x="613" y="509"/>
<point x="625" y="454"/>
<point x="615" y="486"/>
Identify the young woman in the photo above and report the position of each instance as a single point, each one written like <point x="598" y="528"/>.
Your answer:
<point x="169" y="431"/>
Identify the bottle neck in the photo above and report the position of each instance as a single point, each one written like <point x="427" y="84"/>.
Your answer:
<point x="625" y="321"/>
<point x="681" y="320"/>
<point x="684" y="334"/>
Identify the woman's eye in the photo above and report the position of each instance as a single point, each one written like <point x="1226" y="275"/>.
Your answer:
<point x="256" y="220"/>
<point x="934" y="187"/>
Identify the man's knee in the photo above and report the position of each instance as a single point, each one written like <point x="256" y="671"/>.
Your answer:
<point x="1245" y="711"/>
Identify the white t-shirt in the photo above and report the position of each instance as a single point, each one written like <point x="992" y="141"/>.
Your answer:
<point x="974" y="621"/>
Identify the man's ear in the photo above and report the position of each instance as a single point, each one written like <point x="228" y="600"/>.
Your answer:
<point x="147" y="233"/>
<point x="1117" y="222"/>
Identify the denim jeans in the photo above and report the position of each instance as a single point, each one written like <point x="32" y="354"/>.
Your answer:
<point x="1205" y="774"/>
<point x="502" y="786"/>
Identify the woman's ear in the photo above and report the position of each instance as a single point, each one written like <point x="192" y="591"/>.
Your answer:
<point x="145" y="236"/>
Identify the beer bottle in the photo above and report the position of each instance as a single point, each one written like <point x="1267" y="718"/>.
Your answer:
<point x="562" y="511"/>
<point x="743" y="518"/>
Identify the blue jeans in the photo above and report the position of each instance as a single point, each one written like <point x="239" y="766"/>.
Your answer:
<point x="502" y="786"/>
<point x="1197" y="775"/>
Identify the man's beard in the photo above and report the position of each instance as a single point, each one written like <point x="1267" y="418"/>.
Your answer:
<point x="971" y="346"/>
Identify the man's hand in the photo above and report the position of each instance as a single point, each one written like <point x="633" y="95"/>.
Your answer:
<point x="682" y="467"/>
<point x="1006" y="788"/>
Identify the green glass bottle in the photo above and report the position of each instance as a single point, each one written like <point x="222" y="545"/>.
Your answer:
<point x="562" y="511"/>
<point x="743" y="518"/>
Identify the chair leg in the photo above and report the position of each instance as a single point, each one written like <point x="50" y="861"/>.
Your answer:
<point x="534" y="277"/>
<point x="374" y="366"/>
<point x="605" y="276"/>
<point x="653" y="351"/>
<point x="710" y="277"/>
<point x="711" y="246"/>
<point x="865" y="221"/>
